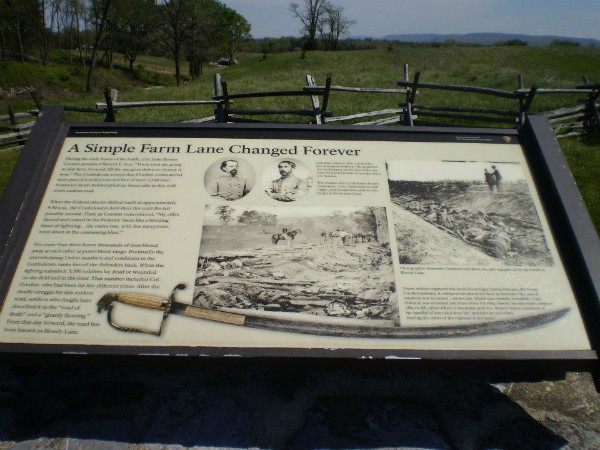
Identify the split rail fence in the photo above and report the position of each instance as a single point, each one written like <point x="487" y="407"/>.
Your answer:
<point x="406" y="110"/>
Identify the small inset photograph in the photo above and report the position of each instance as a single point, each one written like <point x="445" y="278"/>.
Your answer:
<point x="229" y="179"/>
<point x="319" y="263"/>
<point x="287" y="180"/>
<point x="465" y="213"/>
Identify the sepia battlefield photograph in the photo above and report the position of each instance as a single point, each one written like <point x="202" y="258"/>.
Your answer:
<point x="317" y="262"/>
<point x="465" y="213"/>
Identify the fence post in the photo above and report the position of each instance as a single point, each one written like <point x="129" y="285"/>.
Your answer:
<point x="319" y="111"/>
<point x="410" y="99"/>
<point x="521" y="118"/>
<point x="405" y="78"/>
<point x="36" y="99"/>
<point x="218" y="90"/>
<point x="13" y="121"/>
<point x="593" y="96"/>
<point x="314" y="99"/>
<point x="110" y="112"/>
<point x="226" y="103"/>
<point x="530" y="97"/>
<point x="525" y="102"/>
<point x="326" y="96"/>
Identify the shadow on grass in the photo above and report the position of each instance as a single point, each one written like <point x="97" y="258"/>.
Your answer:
<point x="263" y="407"/>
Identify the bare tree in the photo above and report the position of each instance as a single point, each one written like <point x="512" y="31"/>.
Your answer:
<point x="23" y="27"/>
<point x="56" y="8"/>
<point x="190" y="28"/>
<point x="48" y="20"/>
<point x="310" y="13"/>
<point x="3" y="30"/>
<point x="122" y="14"/>
<point x="99" y="15"/>
<point x="205" y="32"/>
<point x="134" y="37"/>
<point x="235" y="29"/>
<point x="43" y="34"/>
<point x="177" y="23"/>
<point x="108" y="18"/>
<point x="76" y="9"/>
<point x="334" y="25"/>
<point x="12" y="22"/>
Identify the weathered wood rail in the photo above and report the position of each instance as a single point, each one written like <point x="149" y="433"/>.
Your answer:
<point x="408" y="112"/>
<point x="564" y="120"/>
<point x="404" y="109"/>
<point x="17" y="128"/>
<point x="226" y="113"/>
<point x="111" y="105"/>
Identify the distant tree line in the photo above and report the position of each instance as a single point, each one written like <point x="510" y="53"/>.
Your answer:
<point x="290" y="43"/>
<point x="192" y="30"/>
<point x="511" y="43"/>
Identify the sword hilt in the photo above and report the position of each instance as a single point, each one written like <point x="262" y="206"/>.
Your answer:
<point x="141" y="301"/>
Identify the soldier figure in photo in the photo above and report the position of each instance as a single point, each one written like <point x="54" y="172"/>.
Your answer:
<point x="229" y="186"/>
<point x="288" y="187"/>
<point x="489" y="179"/>
<point x="285" y="235"/>
<point x="497" y="178"/>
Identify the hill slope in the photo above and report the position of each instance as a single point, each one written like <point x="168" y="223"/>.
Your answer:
<point x="420" y="242"/>
<point x="489" y="38"/>
<point x="504" y="225"/>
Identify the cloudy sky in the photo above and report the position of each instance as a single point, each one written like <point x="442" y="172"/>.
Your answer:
<point x="570" y="18"/>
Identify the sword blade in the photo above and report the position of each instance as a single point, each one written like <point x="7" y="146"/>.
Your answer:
<point x="368" y="331"/>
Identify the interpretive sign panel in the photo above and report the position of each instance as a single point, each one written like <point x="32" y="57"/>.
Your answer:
<point x="255" y="241"/>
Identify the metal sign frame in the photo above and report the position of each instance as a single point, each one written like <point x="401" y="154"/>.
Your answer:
<point x="576" y="238"/>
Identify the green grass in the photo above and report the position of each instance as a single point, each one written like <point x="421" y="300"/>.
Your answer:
<point x="62" y="83"/>
<point x="8" y="159"/>
<point x="583" y="157"/>
<point x="495" y="67"/>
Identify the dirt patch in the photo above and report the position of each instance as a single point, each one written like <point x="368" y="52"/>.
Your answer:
<point x="43" y="93"/>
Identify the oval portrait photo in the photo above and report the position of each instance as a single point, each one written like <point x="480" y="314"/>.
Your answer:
<point x="229" y="179"/>
<point x="287" y="180"/>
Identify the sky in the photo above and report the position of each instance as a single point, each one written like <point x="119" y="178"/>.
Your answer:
<point x="377" y="18"/>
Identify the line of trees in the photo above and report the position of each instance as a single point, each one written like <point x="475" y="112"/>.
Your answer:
<point x="323" y="23"/>
<point x="192" y="30"/>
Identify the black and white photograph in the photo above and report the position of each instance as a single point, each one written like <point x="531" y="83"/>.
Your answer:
<point x="229" y="179"/>
<point x="320" y="262"/>
<point x="287" y="180"/>
<point x="465" y="213"/>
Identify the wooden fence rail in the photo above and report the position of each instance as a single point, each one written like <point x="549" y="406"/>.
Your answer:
<point x="409" y="112"/>
<point x="580" y="117"/>
<point x="226" y="113"/>
<point x="110" y="106"/>
<point x="13" y="135"/>
<point x="405" y="108"/>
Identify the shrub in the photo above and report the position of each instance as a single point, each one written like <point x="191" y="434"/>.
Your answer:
<point x="511" y="43"/>
<point x="564" y="43"/>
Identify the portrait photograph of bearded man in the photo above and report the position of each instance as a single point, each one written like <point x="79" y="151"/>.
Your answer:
<point x="292" y="184"/>
<point x="229" y="179"/>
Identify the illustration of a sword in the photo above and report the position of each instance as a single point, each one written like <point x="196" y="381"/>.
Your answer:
<point x="171" y="306"/>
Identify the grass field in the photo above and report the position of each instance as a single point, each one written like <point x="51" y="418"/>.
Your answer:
<point x="62" y="83"/>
